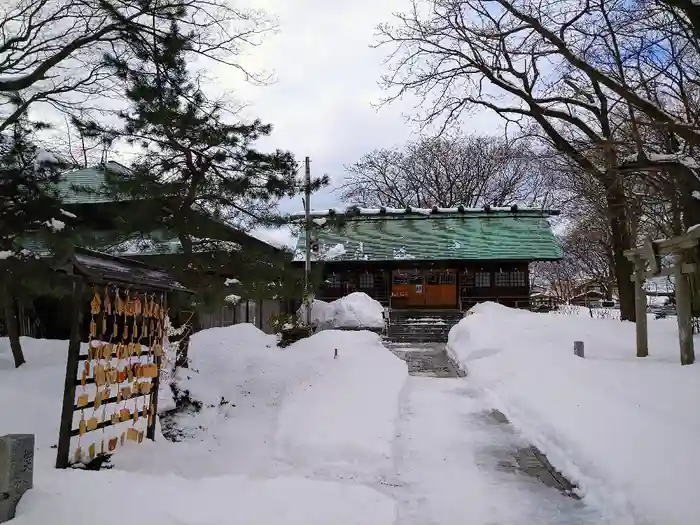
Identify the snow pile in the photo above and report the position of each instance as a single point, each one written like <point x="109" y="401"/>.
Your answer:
<point x="625" y="429"/>
<point x="335" y="251"/>
<point x="347" y="411"/>
<point x="356" y="310"/>
<point x="55" y="225"/>
<point x="298" y="406"/>
<point x="321" y="313"/>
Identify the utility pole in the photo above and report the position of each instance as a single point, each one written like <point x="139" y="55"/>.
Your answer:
<point x="307" y="237"/>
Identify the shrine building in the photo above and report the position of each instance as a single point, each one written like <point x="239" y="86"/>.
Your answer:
<point x="439" y="258"/>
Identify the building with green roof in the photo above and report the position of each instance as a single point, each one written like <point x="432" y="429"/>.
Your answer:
<point x="429" y="258"/>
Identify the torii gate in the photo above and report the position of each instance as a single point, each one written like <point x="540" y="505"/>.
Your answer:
<point x="649" y="254"/>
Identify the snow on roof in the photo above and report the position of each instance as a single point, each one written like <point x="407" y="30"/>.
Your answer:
<point x="410" y="210"/>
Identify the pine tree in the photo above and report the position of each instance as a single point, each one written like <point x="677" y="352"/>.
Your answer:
<point x="195" y="161"/>
<point x="30" y="215"/>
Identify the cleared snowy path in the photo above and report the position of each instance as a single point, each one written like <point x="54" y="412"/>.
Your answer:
<point x="449" y="456"/>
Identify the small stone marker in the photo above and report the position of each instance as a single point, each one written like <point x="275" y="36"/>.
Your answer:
<point x="578" y="348"/>
<point x="16" y="471"/>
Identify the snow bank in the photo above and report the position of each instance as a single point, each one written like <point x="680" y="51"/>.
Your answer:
<point x="32" y="394"/>
<point x="299" y="406"/>
<point x="356" y="310"/>
<point x="625" y="429"/>
<point x="73" y="498"/>
<point x="347" y="412"/>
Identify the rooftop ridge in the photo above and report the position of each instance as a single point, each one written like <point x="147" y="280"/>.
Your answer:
<point x="415" y="212"/>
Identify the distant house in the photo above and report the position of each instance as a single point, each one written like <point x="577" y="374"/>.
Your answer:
<point x="594" y="293"/>
<point x="430" y="258"/>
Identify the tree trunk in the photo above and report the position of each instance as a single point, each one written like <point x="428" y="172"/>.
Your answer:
<point x="690" y="207"/>
<point x="12" y="325"/>
<point x="621" y="241"/>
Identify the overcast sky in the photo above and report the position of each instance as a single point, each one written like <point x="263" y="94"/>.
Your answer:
<point x="326" y="82"/>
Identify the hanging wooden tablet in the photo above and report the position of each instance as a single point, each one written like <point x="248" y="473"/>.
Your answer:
<point x="132" y="434"/>
<point x="82" y="427"/>
<point x="129" y="373"/>
<point x="121" y="439"/>
<point x="100" y="376"/>
<point x="95" y="304"/>
<point x="78" y="455"/>
<point x="126" y="392"/>
<point x="93" y="328"/>
<point x="124" y="414"/>
<point x="83" y="379"/>
<point x="134" y="329"/>
<point x="137" y="306"/>
<point x="108" y="302"/>
<point x="98" y="399"/>
<point x="91" y="451"/>
<point x="112" y="376"/>
<point x="92" y="351"/>
<point x="158" y="350"/>
<point x="83" y="400"/>
<point x="122" y="376"/>
<point x="112" y="445"/>
<point x="104" y="324"/>
<point x="92" y="424"/>
<point x="114" y="418"/>
<point x="115" y="328"/>
<point x="102" y="446"/>
<point x="119" y="307"/>
<point x="125" y="337"/>
<point x="129" y="306"/>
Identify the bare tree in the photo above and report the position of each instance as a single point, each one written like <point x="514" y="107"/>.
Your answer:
<point x="446" y="172"/>
<point x="575" y="71"/>
<point x="52" y="51"/>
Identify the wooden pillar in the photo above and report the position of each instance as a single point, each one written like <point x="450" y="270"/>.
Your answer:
<point x="640" y="302"/>
<point x="684" y="312"/>
<point x="66" y="425"/>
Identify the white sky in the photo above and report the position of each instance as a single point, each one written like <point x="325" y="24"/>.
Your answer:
<point x="326" y="82"/>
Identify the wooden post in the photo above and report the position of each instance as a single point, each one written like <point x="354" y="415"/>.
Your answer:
<point x="684" y="312"/>
<point x="640" y="302"/>
<point x="66" y="427"/>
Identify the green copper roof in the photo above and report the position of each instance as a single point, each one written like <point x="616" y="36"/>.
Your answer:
<point x="88" y="185"/>
<point x="475" y="235"/>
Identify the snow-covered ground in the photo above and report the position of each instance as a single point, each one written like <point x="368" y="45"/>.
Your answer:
<point x="447" y="453"/>
<point x="277" y="432"/>
<point x="297" y="436"/>
<point x="625" y="429"/>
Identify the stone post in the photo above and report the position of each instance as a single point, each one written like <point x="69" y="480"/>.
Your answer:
<point x="16" y="471"/>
